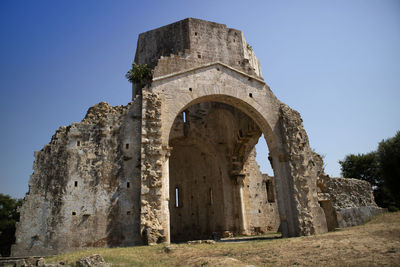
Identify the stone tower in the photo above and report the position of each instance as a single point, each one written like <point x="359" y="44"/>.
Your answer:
<point x="178" y="162"/>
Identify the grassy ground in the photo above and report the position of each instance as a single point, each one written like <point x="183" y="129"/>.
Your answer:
<point x="375" y="243"/>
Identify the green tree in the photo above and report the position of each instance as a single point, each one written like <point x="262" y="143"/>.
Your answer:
<point x="8" y="217"/>
<point x="362" y="166"/>
<point x="381" y="168"/>
<point x="388" y="155"/>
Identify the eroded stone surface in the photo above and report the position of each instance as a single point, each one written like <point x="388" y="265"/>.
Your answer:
<point x="78" y="193"/>
<point x="352" y="200"/>
<point x="92" y="261"/>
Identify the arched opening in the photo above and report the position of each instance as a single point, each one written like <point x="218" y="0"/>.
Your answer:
<point x="216" y="187"/>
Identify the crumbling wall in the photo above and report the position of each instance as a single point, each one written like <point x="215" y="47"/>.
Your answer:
<point x="352" y="199"/>
<point x="262" y="208"/>
<point x="79" y="194"/>
<point x="305" y="167"/>
<point x="154" y="154"/>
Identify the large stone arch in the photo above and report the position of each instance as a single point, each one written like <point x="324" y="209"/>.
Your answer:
<point x="171" y="94"/>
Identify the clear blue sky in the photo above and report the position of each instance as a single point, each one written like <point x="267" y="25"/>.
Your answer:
<point x="336" y="62"/>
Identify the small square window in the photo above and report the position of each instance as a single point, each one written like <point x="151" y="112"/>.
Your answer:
<point x="76" y="183"/>
<point x="78" y="143"/>
<point x="74" y="213"/>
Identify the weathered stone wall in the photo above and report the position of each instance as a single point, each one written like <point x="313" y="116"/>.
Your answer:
<point x="261" y="206"/>
<point x="305" y="168"/>
<point x="79" y="194"/>
<point x="154" y="220"/>
<point x="191" y="43"/>
<point x="352" y="200"/>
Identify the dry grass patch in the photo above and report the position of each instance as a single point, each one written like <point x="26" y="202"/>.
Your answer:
<point x="375" y="243"/>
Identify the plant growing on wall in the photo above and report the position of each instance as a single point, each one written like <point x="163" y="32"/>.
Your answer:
<point x="249" y="47"/>
<point x="139" y="74"/>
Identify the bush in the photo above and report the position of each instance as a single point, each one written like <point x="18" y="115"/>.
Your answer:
<point x="139" y="74"/>
<point x="381" y="168"/>
<point x="8" y="217"/>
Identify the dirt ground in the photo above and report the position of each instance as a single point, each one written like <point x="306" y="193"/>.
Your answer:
<point x="376" y="243"/>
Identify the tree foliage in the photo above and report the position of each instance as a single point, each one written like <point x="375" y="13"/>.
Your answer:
<point x="139" y="74"/>
<point x="389" y="161"/>
<point x="362" y="166"/>
<point x="8" y="217"/>
<point x="381" y="168"/>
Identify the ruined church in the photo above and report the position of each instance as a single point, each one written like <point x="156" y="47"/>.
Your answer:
<point x="178" y="162"/>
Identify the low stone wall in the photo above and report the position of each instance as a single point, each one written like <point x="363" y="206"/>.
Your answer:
<point x="352" y="199"/>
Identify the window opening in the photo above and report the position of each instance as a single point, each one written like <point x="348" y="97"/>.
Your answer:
<point x="262" y="156"/>
<point x="76" y="184"/>
<point x="176" y="197"/>
<point x="184" y="116"/>
<point x="73" y="213"/>
<point x="128" y="184"/>
<point x="127" y="146"/>
<point x="78" y="143"/>
<point x="270" y="191"/>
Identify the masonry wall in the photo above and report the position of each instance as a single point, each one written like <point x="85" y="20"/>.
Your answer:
<point x="84" y="191"/>
<point x="305" y="166"/>
<point x="261" y="205"/>
<point x="352" y="200"/>
<point x="191" y="43"/>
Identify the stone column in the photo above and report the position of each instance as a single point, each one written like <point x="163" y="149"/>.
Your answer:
<point x="165" y="195"/>
<point x="287" y="213"/>
<point x="239" y="179"/>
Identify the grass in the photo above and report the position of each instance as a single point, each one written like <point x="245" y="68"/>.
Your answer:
<point x="375" y="243"/>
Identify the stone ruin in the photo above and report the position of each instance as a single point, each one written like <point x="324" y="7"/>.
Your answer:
<point x="178" y="162"/>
